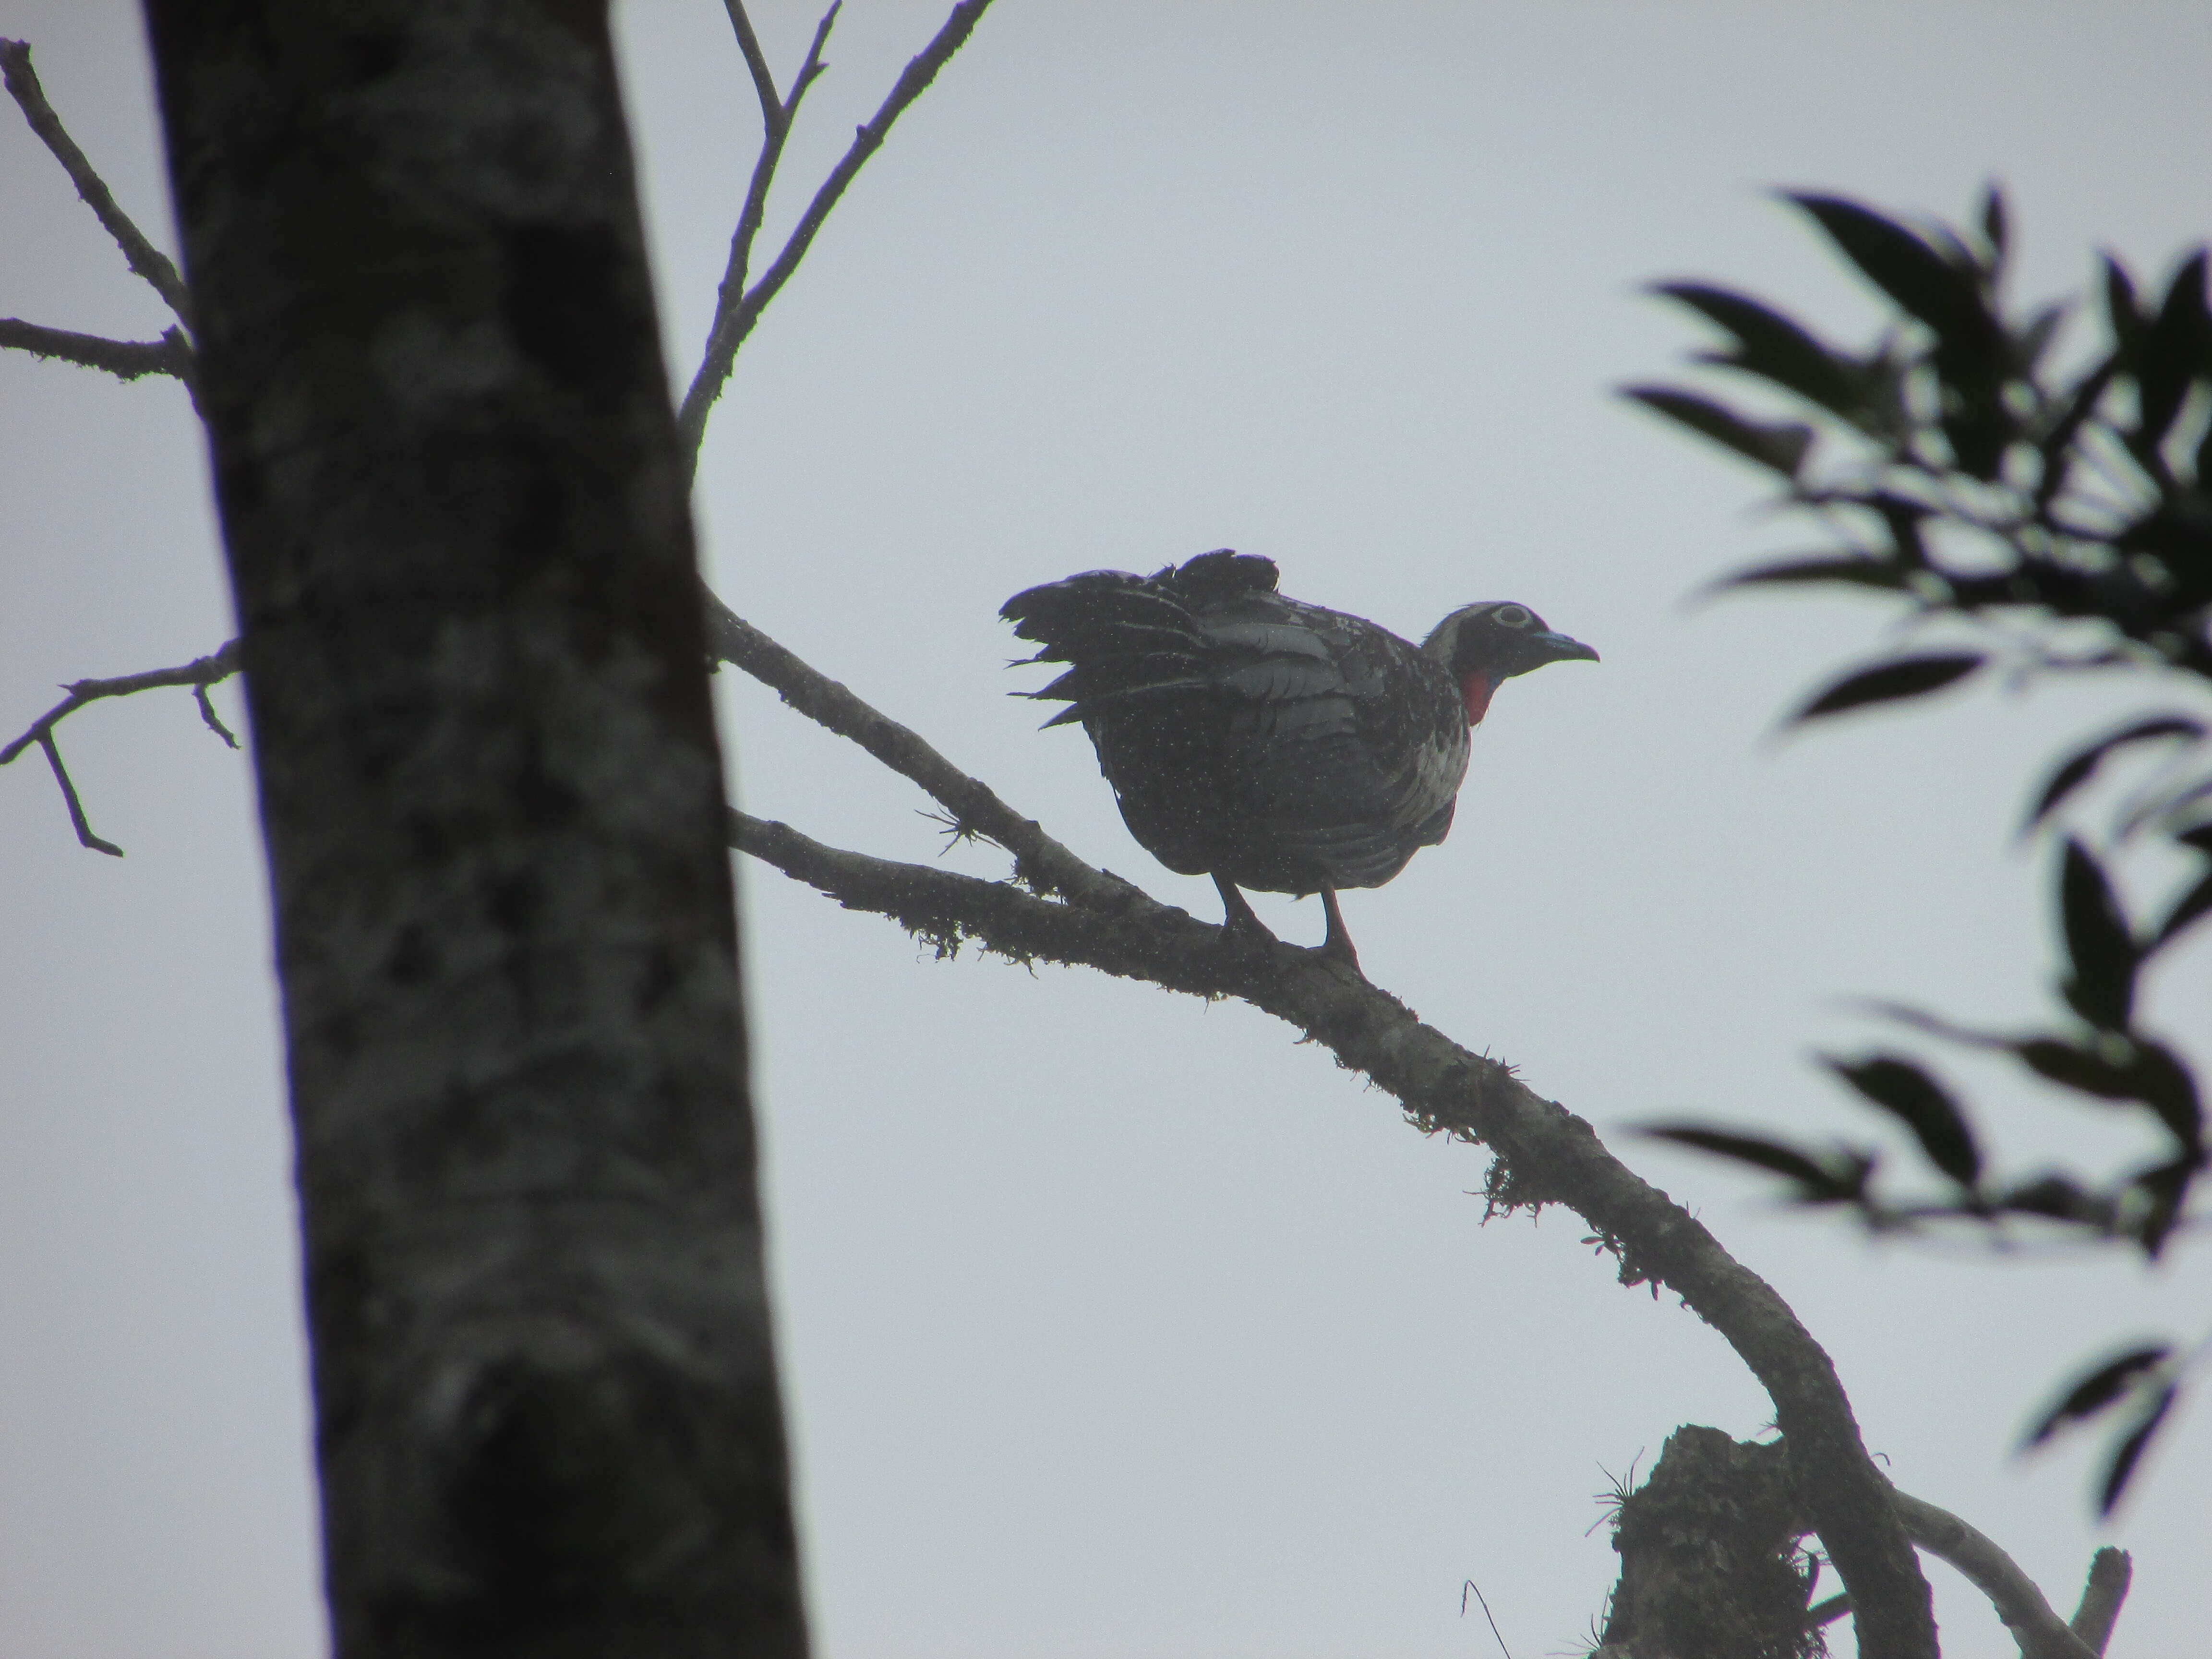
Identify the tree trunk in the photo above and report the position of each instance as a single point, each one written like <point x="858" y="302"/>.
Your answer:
<point x="455" y="516"/>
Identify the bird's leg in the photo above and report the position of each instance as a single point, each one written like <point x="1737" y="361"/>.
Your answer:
<point x="1337" y="943"/>
<point x="1239" y="920"/>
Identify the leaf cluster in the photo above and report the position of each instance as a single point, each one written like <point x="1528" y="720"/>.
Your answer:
<point x="2063" y="496"/>
<point x="2047" y="519"/>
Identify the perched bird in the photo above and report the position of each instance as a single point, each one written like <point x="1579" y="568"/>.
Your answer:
<point x="1267" y="743"/>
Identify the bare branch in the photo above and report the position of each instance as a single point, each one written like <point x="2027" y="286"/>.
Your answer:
<point x="1040" y="862"/>
<point x="771" y="101"/>
<point x="777" y="117"/>
<point x="2041" y="1633"/>
<point x="200" y="673"/>
<point x="737" y="312"/>
<point x="2110" y="1571"/>
<point x="1544" y="1155"/>
<point x="126" y="360"/>
<point x="77" y="820"/>
<point x="209" y="718"/>
<point x="147" y="260"/>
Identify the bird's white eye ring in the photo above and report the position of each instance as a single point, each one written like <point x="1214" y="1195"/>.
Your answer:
<point x="1510" y="616"/>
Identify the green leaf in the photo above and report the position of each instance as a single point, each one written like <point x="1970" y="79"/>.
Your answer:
<point x="1780" y="447"/>
<point x="1934" y="1024"/>
<point x="2034" y="337"/>
<point x="2059" y="1200"/>
<point x="2190" y="280"/>
<point x="2057" y="443"/>
<point x="2083" y="762"/>
<point x="2091" y="1394"/>
<point x="1923" y="1105"/>
<point x="1993" y="224"/>
<point x="2165" y="1187"/>
<point x="2172" y="353"/>
<point x="1771" y="346"/>
<point x="2131" y="1451"/>
<point x="2120" y="312"/>
<point x="1819" y="1182"/>
<point x="2099" y="944"/>
<point x="2135" y="1068"/>
<point x="1906" y="267"/>
<point x="1852" y="571"/>
<point x="1890" y="682"/>
<point x="2141" y="1069"/>
<point x="1979" y="427"/>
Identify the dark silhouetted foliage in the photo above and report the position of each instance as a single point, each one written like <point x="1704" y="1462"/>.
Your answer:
<point x="2041" y="520"/>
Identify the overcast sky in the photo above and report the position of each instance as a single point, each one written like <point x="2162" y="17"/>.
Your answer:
<point x="1118" y="1325"/>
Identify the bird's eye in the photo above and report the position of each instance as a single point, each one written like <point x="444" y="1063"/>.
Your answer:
<point x="1510" y="616"/>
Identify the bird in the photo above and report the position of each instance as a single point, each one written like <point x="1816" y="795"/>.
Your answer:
<point x="1267" y="743"/>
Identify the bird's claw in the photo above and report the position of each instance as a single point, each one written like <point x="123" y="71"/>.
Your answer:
<point x="1245" y="935"/>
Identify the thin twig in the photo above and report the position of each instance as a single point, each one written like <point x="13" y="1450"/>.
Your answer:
<point x="126" y="360"/>
<point x="1470" y="1585"/>
<point x="147" y="260"/>
<point x="213" y="720"/>
<point x="771" y="101"/>
<point x="200" y="673"/>
<point x="2110" y="1571"/>
<point x="777" y="117"/>
<point x="737" y="311"/>
<point x="77" y="820"/>
<point x="2041" y="1633"/>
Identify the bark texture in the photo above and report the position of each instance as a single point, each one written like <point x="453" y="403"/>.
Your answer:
<point x="1709" y="1566"/>
<point x="455" y="516"/>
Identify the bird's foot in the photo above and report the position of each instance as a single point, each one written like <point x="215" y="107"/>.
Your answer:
<point x="1336" y="945"/>
<point x="1248" y="936"/>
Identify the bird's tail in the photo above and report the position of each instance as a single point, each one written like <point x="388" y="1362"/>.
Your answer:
<point x="1127" y="635"/>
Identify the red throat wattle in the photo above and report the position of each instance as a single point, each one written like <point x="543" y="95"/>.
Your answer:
<point x="1474" y="690"/>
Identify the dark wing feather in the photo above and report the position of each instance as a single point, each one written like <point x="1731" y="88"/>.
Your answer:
<point x="1124" y="634"/>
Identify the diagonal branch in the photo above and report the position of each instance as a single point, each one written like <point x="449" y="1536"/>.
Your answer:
<point x="126" y="360"/>
<point x="771" y="101"/>
<point x="147" y="260"/>
<point x="2041" y="1633"/>
<point x="739" y="308"/>
<point x="78" y="822"/>
<point x="1544" y="1154"/>
<point x="1040" y="862"/>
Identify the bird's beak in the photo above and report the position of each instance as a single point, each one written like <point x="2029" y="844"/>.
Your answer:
<point x="1558" y="648"/>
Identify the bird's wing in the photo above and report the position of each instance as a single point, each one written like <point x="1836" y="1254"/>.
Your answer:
<point x="1339" y="740"/>
<point x="1126" y="636"/>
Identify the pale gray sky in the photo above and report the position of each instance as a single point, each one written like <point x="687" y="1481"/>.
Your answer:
<point x="1117" y="1325"/>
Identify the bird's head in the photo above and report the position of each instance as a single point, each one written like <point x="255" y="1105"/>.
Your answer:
<point x="1483" y="645"/>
